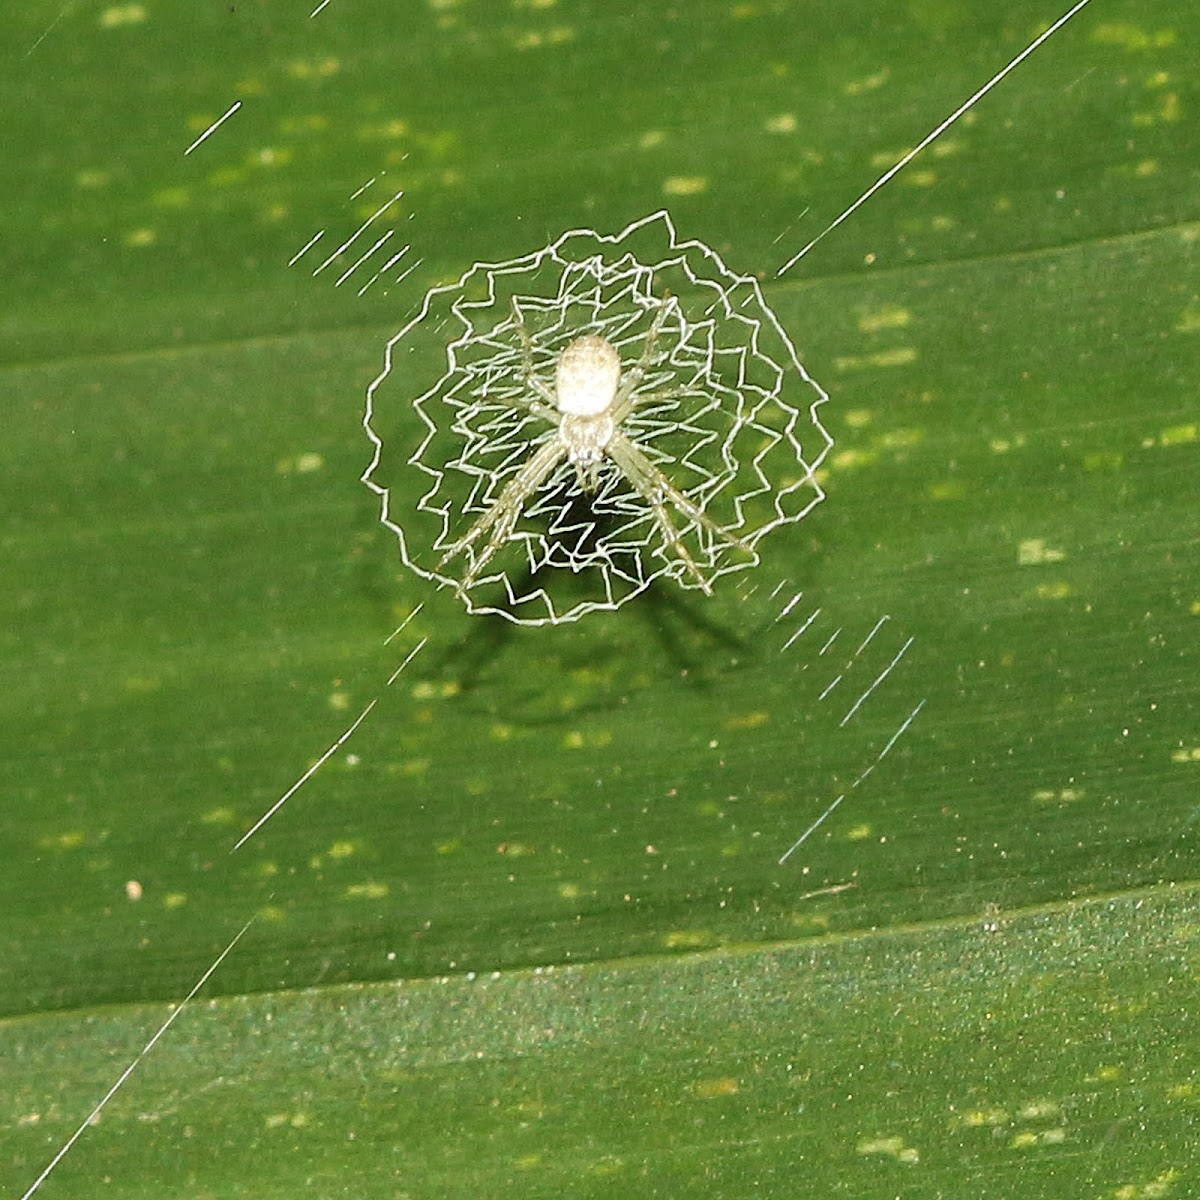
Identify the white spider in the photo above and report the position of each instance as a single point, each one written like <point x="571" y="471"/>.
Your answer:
<point x="590" y="400"/>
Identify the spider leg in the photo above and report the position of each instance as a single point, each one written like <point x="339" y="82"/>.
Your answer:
<point x="655" y="488"/>
<point x="631" y="378"/>
<point x="527" y="371"/>
<point x="499" y="520"/>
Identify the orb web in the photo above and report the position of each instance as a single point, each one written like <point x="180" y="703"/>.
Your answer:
<point x="723" y="408"/>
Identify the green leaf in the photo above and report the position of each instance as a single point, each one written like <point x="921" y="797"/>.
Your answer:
<point x="972" y="978"/>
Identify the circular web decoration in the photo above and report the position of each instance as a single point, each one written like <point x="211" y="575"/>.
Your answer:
<point x="604" y="413"/>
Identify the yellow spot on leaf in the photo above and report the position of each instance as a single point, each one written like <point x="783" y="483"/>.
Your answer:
<point x="949" y="489"/>
<point x="849" y="459"/>
<point x="62" y="841"/>
<point x="367" y="891"/>
<point x="710" y="1089"/>
<point x="752" y="720"/>
<point x="902" y="356"/>
<point x="517" y="849"/>
<point x="687" y="939"/>
<point x="117" y="16"/>
<point x="685" y="185"/>
<point x="1060" y="590"/>
<point x="172" y="197"/>
<point x="1129" y="37"/>
<point x="891" y="316"/>
<point x="1189" y="321"/>
<point x="869" y="83"/>
<point x="978" y="1118"/>
<point x="1035" y="552"/>
<point x="1162" y="1185"/>
<point x="783" y="123"/>
<point x="893" y="1147"/>
<point x="141" y="685"/>
<point x="1179" y="435"/>
<point x="319" y="68"/>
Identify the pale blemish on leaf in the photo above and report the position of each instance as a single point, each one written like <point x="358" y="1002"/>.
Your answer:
<point x="1129" y="37"/>
<point x="1161" y="1186"/>
<point x="947" y="489"/>
<point x="890" y="316"/>
<point x="91" y="178"/>
<point x="172" y="197"/>
<point x="367" y="891"/>
<point x="868" y="83"/>
<point x="1037" y="551"/>
<point x="315" y="68"/>
<point x="685" y="185"/>
<point x="893" y="1147"/>
<point x="1174" y="435"/>
<point x="1060" y="796"/>
<point x="750" y="720"/>
<point x="120" y="16"/>
<point x="687" y="939"/>
<point x="71" y="840"/>
<point x="303" y="463"/>
<point x="711" y="1089"/>
<point x="1061" y="590"/>
<point x="844" y="460"/>
<point x="429" y="689"/>
<point x="901" y="356"/>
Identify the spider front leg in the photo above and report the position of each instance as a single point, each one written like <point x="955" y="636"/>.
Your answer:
<point x="655" y="488"/>
<point x="500" y="520"/>
<point x="546" y="408"/>
<point x="626" y="399"/>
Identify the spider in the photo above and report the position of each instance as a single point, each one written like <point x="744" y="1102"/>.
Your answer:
<point x="590" y="400"/>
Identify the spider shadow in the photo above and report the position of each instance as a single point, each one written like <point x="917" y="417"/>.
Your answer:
<point x="692" y="645"/>
<point x="488" y="664"/>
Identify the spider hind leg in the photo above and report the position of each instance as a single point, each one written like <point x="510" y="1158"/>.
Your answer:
<point x="499" y="521"/>
<point x="657" y="490"/>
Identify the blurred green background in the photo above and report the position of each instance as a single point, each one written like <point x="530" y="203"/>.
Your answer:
<point x="530" y="929"/>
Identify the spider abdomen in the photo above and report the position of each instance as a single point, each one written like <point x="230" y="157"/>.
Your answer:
<point x="587" y="377"/>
